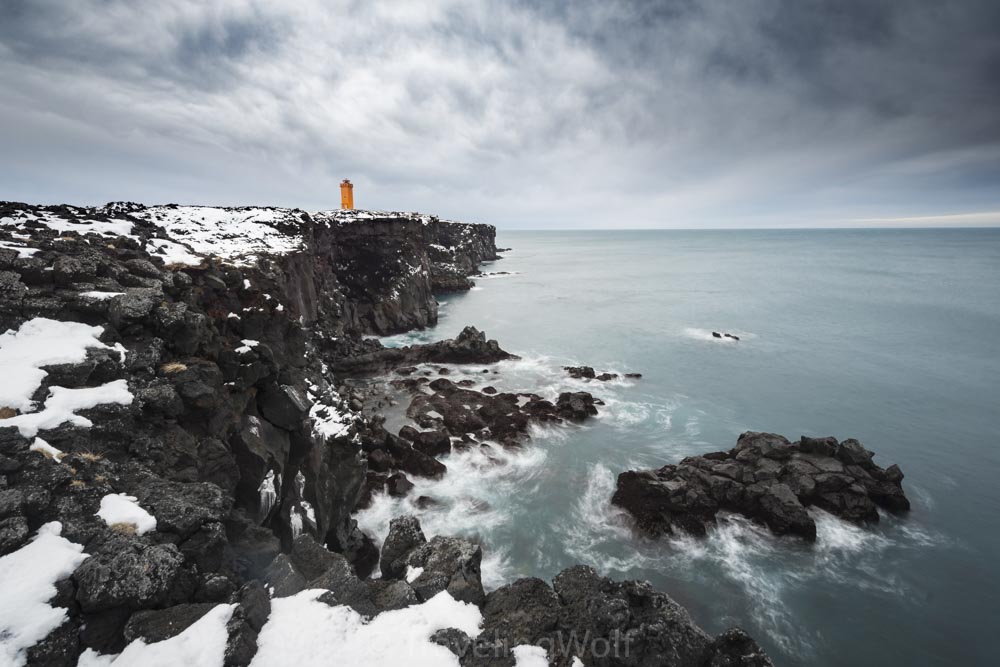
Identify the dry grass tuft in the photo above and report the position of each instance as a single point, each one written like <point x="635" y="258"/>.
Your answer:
<point x="100" y="479"/>
<point x="91" y="457"/>
<point x="77" y="484"/>
<point x="173" y="367"/>
<point x="123" y="528"/>
<point x="7" y="413"/>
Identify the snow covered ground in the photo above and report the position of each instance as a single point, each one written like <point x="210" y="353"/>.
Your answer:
<point x="237" y="235"/>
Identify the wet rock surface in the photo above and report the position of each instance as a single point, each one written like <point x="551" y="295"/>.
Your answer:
<point x="766" y="478"/>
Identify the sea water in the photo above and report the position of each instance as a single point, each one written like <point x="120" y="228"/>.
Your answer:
<point x="888" y="336"/>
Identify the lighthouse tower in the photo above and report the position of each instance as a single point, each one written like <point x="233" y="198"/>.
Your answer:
<point x="346" y="194"/>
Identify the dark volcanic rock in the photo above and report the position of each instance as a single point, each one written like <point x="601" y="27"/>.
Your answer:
<point x="129" y="572"/>
<point x="766" y="478"/>
<point x="576" y="406"/>
<point x="444" y="564"/>
<point x="469" y="347"/>
<point x="580" y="372"/>
<point x="404" y="535"/>
<point x="598" y="621"/>
<point x="59" y="649"/>
<point x="457" y="412"/>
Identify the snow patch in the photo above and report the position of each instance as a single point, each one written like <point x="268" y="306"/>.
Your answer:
<point x="530" y="656"/>
<point x="304" y="632"/>
<point x="238" y="235"/>
<point x="327" y="421"/>
<point x="47" y="450"/>
<point x="28" y="577"/>
<point x="121" y="508"/>
<point x="22" y="251"/>
<point x="62" y="404"/>
<point x="172" y="252"/>
<point x="40" y="342"/>
<point x="247" y="346"/>
<point x="101" y="296"/>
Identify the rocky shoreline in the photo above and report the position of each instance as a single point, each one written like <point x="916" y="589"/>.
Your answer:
<point x="177" y="428"/>
<point x="766" y="478"/>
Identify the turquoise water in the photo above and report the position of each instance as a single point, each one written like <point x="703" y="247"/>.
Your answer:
<point x="891" y="337"/>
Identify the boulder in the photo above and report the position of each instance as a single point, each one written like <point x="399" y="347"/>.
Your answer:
<point x="432" y="443"/>
<point x="404" y="535"/>
<point x="447" y="564"/>
<point x="129" y="572"/>
<point x="576" y="406"/>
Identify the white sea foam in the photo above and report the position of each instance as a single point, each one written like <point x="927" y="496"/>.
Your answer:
<point x="494" y="276"/>
<point x="471" y="500"/>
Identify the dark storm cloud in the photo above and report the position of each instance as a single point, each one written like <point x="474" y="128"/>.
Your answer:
<point x="639" y="113"/>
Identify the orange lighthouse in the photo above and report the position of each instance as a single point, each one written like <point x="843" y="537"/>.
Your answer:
<point x="346" y="194"/>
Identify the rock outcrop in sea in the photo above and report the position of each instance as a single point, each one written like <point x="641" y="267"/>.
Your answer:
<point x="766" y="478"/>
<point x="171" y="428"/>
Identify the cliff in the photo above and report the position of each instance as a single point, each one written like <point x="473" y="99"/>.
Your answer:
<point x="171" y="410"/>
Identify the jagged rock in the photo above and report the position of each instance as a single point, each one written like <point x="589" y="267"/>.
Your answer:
<point x="128" y="572"/>
<point x="404" y="535"/>
<point x="766" y="478"/>
<point x="345" y="585"/>
<point x="252" y="611"/>
<point x="447" y="563"/>
<point x="469" y="347"/>
<point x="282" y="577"/>
<point x="432" y="443"/>
<point x="735" y="648"/>
<point x="389" y="595"/>
<point x="283" y="406"/>
<point x="580" y="372"/>
<point x="575" y="406"/>
<point x="521" y="612"/>
<point x="357" y="547"/>
<point x="452" y="411"/>
<point x="183" y="508"/>
<point x="311" y="559"/>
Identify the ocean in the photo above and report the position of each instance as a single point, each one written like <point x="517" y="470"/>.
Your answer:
<point x="888" y="336"/>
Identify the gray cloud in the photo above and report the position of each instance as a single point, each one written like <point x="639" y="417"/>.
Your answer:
<point x="592" y="113"/>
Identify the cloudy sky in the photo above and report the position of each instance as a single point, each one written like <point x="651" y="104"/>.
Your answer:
<point x="591" y="113"/>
